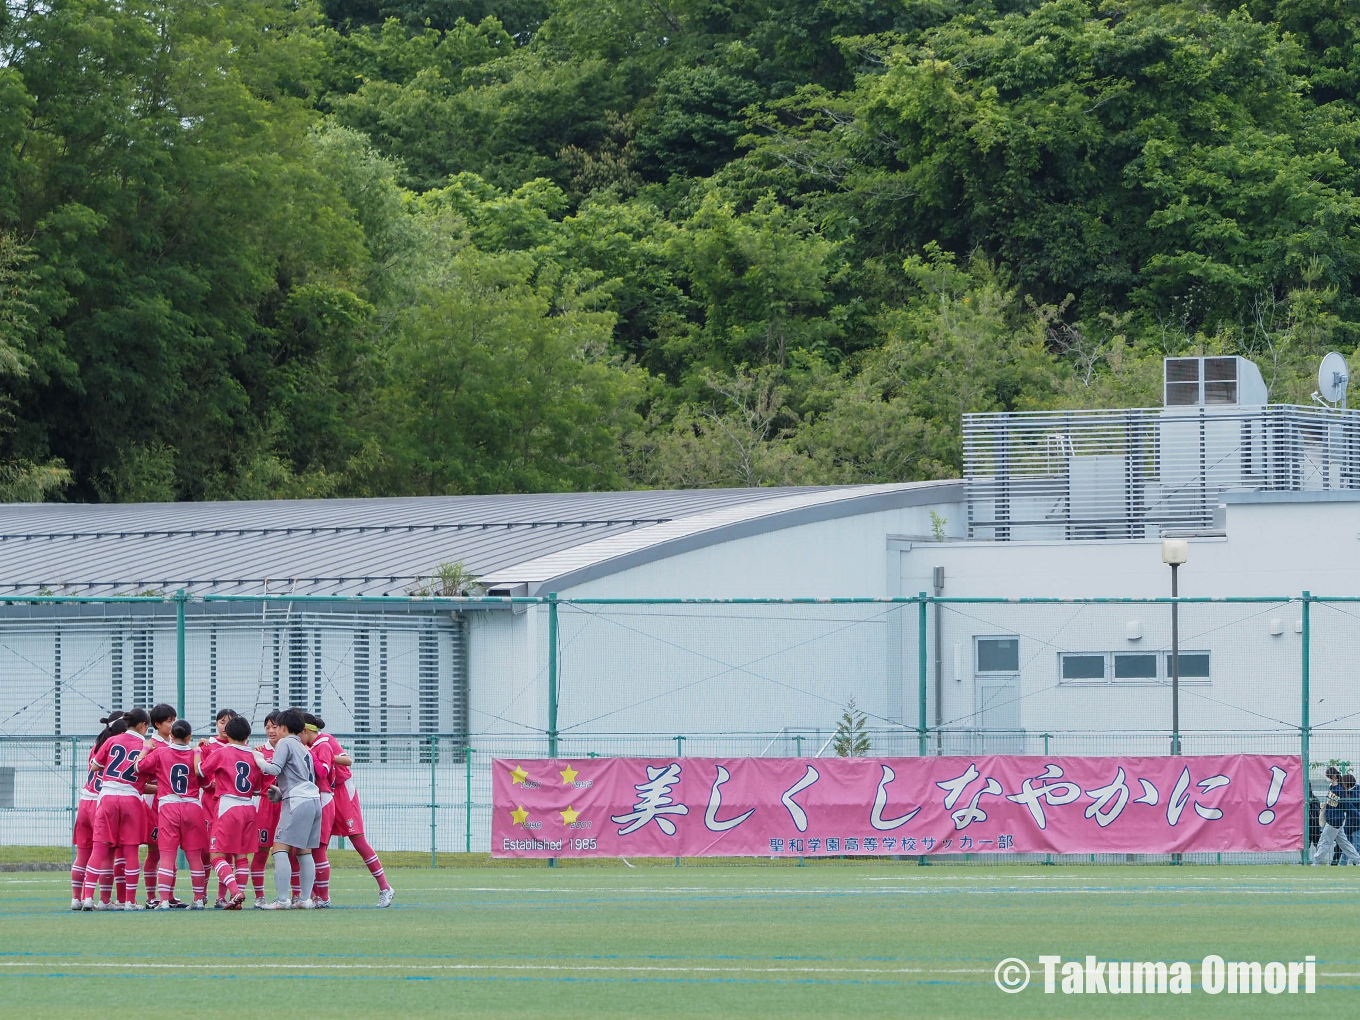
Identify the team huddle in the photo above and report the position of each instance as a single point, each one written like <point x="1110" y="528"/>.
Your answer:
<point x="228" y="806"/>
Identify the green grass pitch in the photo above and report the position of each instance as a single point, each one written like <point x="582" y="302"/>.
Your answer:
<point x="854" y="941"/>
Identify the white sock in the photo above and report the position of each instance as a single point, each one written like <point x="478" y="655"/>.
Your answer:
<point x="307" y="872"/>
<point x="283" y="874"/>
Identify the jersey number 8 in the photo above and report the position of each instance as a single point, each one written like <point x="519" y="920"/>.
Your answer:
<point x="243" y="778"/>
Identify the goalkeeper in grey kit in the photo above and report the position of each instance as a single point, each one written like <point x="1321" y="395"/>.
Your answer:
<point x="299" y="829"/>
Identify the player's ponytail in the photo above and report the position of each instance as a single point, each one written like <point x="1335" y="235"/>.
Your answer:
<point x="181" y="730"/>
<point x="135" y="717"/>
<point x="113" y="729"/>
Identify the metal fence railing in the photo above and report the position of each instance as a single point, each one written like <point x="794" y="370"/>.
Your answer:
<point x="1126" y="473"/>
<point x="427" y="691"/>
<point x="432" y="794"/>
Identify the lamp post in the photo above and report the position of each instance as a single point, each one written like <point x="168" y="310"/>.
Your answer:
<point x="1175" y="551"/>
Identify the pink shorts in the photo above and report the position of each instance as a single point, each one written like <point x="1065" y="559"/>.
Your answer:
<point x="233" y="829"/>
<point x="182" y="825"/>
<point x="84" y="831"/>
<point x="349" y="816"/>
<point x="120" y="821"/>
<point x="327" y="822"/>
<point x="266" y="821"/>
<point x="150" y="837"/>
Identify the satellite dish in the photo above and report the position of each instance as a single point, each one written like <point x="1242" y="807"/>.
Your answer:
<point x="1333" y="378"/>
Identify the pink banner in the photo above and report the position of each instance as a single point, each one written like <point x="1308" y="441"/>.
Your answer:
<point x="704" y="807"/>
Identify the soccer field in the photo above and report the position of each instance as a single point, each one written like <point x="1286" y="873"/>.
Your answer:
<point x="856" y="941"/>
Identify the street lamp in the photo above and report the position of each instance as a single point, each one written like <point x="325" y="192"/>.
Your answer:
<point x="1175" y="551"/>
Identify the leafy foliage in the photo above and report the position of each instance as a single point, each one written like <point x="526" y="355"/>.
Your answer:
<point x="266" y="248"/>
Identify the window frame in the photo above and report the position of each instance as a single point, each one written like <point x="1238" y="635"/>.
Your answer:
<point x="1104" y="678"/>
<point x="1109" y="679"/>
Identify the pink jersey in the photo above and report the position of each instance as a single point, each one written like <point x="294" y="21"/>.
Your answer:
<point x="93" y="778"/>
<point x="117" y="760"/>
<point x="172" y="767"/>
<point x="340" y="774"/>
<point x="266" y="780"/>
<point x="323" y="757"/>
<point x="233" y="772"/>
<point x="206" y="753"/>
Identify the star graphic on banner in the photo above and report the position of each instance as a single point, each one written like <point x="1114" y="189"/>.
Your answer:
<point x="568" y="775"/>
<point x="519" y="815"/>
<point x="570" y="815"/>
<point x="518" y="775"/>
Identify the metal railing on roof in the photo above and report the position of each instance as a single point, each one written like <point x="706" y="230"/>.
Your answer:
<point x="1129" y="473"/>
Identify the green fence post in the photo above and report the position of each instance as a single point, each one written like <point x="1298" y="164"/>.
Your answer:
<point x="76" y="784"/>
<point x="434" y="802"/>
<point x="921" y="675"/>
<point x="679" y="753"/>
<point x="468" y="824"/>
<point x="552" y="685"/>
<point x="180" y="599"/>
<point x="1304" y="725"/>
<point x="552" y="674"/>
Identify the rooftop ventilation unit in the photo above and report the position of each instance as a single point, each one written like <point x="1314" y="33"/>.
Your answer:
<point x="1211" y="382"/>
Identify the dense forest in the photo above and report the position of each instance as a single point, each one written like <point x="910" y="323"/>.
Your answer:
<point x="265" y="248"/>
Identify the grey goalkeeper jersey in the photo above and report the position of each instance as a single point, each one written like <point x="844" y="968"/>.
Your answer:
<point x="294" y="766"/>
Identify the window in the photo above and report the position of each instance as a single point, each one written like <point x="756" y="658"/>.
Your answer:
<point x="998" y="655"/>
<point x="1132" y="668"/>
<point x="1083" y="667"/>
<point x="1135" y="666"/>
<point x="1194" y="667"/>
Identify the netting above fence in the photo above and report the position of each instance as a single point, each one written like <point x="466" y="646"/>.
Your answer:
<point x="414" y="682"/>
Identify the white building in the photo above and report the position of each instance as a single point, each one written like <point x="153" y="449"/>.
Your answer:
<point x="1070" y="505"/>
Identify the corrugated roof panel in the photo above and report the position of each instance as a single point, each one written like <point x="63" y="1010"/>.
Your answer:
<point x="317" y="545"/>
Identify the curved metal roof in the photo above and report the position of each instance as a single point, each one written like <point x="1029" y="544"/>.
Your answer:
<point x="386" y="546"/>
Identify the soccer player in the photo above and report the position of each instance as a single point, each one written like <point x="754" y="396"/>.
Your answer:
<point x="1334" y="822"/>
<point x="162" y="719"/>
<point x="349" y="822"/>
<point x="299" y="829"/>
<point x="323" y="748"/>
<point x="180" y="823"/>
<point x="236" y="777"/>
<point x="266" y="812"/>
<point x="83" y="836"/>
<point x="120" y="819"/>
<point x="205" y="750"/>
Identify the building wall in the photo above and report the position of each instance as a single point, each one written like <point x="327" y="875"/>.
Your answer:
<point x="699" y="669"/>
<point x="1272" y="547"/>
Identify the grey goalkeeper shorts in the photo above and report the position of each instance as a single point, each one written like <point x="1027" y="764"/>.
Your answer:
<point x="299" y="824"/>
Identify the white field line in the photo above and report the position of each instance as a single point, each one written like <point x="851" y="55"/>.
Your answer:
<point x="547" y="967"/>
<point x="624" y="893"/>
<point x="533" y="968"/>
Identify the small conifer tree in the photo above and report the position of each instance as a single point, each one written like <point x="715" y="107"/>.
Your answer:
<point x="851" y="740"/>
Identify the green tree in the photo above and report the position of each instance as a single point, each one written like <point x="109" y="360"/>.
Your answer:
<point x="500" y="382"/>
<point x="851" y="740"/>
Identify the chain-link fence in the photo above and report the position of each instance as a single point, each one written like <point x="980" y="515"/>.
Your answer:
<point x="425" y="692"/>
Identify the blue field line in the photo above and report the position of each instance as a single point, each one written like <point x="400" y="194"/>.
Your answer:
<point x="517" y="978"/>
<point x="701" y="904"/>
